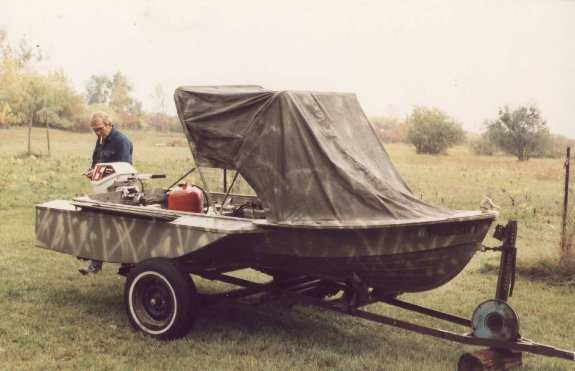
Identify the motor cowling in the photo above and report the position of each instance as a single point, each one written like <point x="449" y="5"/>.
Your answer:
<point x="186" y="197"/>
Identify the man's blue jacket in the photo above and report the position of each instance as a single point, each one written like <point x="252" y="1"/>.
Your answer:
<point x="115" y="147"/>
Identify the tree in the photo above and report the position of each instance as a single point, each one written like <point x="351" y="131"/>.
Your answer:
<point x="63" y="106"/>
<point x="114" y="94"/>
<point x="15" y="65"/>
<point x="25" y="93"/>
<point x="432" y="131"/>
<point x="98" y="89"/>
<point x="160" y="97"/>
<point x="120" y="99"/>
<point x="521" y="132"/>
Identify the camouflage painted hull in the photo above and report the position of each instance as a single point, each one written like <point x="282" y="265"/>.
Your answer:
<point x="117" y="238"/>
<point x="401" y="257"/>
<point x="397" y="258"/>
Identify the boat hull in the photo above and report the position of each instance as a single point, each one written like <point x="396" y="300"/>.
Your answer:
<point x="394" y="259"/>
<point x="119" y="235"/>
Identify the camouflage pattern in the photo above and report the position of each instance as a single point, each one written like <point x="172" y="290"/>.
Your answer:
<point x="376" y="240"/>
<point x="62" y="227"/>
<point x="393" y="258"/>
<point x="311" y="157"/>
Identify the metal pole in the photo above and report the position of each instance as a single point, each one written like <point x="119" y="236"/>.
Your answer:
<point x="192" y="150"/>
<point x="565" y="202"/>
<point x="229" y="189"/>
<point x="225" y="180"/>
<point x="182" y="177"/>
<point x="507" y="263"/>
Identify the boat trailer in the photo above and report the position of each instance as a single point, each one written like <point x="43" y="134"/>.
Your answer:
<point x="494" y="324"/>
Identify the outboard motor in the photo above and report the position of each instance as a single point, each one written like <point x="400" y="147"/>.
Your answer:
<point x="120" y="182"/>
<point x="107" y="177"/>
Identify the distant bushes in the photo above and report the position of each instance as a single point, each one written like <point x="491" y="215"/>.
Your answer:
<point x="521" y="132"/>
<point x="429" y="129"/>
<point x="31" y="97"/>
<point x="482" y="146"/>
<point x="432" y="131"/>
<point x="558" y="145"/>
<point x="391" y="129"/>
<point x="163" y="122"/>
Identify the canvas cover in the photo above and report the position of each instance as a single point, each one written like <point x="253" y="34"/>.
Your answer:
<point x="313" y="158"/>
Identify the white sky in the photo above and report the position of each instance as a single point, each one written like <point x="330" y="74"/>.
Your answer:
<point x="466" y="57"/>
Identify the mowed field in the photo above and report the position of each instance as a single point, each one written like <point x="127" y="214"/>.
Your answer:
<point x="52" y="317"/>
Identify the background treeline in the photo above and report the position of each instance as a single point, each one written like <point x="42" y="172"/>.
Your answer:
<point x="518" y="131"/>
<point x="30" y="96"/>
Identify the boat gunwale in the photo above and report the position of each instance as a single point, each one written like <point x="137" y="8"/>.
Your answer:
<point x="176" y="223"/>
<point x="476" y="216"/>
<point x="261" y="224"/>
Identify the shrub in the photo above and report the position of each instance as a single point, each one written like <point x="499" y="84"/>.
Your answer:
<point x="390" y="129"/>
<point x="558" y="145"/>
<point x="521" y="132"/>
<point x="163" y="122"/>
<point x="483" y="146"/>
<point x="432" y="131"/>
<point x="6" y="115"/>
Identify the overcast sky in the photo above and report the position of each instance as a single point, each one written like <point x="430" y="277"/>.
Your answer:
<point x="465" y="57"/>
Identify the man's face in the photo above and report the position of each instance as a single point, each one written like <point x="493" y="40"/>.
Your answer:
<point x="100" y="129"/>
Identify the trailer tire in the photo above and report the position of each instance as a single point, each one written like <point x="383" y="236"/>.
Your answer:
<point x="160" y="299"/>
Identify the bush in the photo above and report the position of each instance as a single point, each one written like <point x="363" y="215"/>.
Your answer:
<point x="558" y="145"/>
<point x="432" y="131"/>
<point x="6" y="116"/>
<point x="163" y="122"/>
<point x="483" y="146"/>
<point x="390" y="129"/>
<point x="521" y="132"/>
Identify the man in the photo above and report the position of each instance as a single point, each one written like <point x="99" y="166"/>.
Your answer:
<point x="111" y="146"/>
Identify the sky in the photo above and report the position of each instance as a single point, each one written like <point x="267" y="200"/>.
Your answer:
<point x="467" y="58"/>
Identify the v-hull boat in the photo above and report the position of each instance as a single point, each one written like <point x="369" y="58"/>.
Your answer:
<point x="329" y="201"/>
<point x="393" y="258"/>
<point x="331" y="218"/>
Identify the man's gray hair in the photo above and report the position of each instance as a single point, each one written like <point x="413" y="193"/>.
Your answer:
<point x="103" y="116"/>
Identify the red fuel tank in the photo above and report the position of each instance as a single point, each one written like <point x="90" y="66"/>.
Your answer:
<point x="186" y="198"/>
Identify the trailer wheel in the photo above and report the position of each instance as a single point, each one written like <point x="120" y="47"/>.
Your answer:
<point x="160" y="299"/>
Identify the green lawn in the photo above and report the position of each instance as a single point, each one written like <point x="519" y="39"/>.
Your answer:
<point x="52" y="317"/>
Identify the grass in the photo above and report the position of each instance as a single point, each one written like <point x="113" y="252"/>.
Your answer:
<point x="51" y="317"/>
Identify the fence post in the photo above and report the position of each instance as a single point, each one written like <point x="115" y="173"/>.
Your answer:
<point x="565" y="204"/>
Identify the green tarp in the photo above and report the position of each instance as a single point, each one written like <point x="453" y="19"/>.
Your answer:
<point x="313" y="158"/>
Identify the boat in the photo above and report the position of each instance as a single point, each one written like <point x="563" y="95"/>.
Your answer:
<point x="328" y="200"/>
